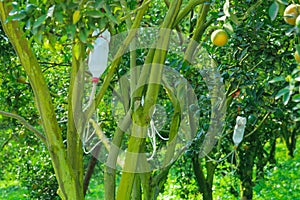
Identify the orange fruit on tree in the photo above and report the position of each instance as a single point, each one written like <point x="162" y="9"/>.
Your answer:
<point x="291" y="13"/>
<point x="219" y="37"/>
<point x="297" y="56"/>
<point x="21" y="79"/>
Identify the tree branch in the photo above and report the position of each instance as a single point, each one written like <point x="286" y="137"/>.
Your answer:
<point x="26" y="124"/>
<point x="259" y="126"/>
<point x="184" y="12"/>
<point x="7" y="141"/>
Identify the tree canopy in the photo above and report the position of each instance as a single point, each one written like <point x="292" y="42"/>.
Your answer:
<point x="180" y="73"/>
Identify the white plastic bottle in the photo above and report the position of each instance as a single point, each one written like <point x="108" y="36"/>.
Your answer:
<point x="239" y="130"/>
<point x="97" y="61"/>
<point x="98" y="57"/>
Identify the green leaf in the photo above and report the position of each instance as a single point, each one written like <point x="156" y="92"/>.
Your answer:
<point x="109" y="15"/>
<point x="50" y="11"/>
<point x="76" y="51"/>
<point x="228" y="27"/>
<point x="297" y="78"/>
<point x="273" y="10"/>
<point x="296" y="98"/>
<point x="37" y="37"/>
<point x="286" y="97"/>
<point x="76" y="16"/>
<point x="297" y="107"/>
<point x="19" y="16"/>
<point x="283" y="2"/>
<point x="277" y="79"/>
<point x="95" y="14"/>
<point x="30" y="8"/>
<point x="83" y="34"/>
<point x="282" y="92"/>
<point x="39" y="21"/>
<point x="59" y="16"/>
<point x="28" y="25"/>
<point x="244" y="52"/>
<point x="71" y="30"/>
<point x="298" y="48"/>
<point x="295" y="71"/>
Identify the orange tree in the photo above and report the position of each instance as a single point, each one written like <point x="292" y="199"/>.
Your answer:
<point x="67" y="28"/>
<point x="260" y="52"/>
<point x="63" y="32"/>
<point x="257" y="60"/>
<point x="18" y="146"/>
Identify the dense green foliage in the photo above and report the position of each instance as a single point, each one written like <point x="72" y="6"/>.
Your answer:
<point x="287" y="184"/>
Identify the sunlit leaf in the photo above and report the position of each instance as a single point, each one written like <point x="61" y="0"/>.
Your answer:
<point x="282" y="92"/>
<point x="76" y="16"/>
<point x="50" y="11"/>
<point x="95" y="14"/>
<point x="39" y="21"/>
<point x="277" y="79"/>
<point x="286" y="97"/>
<point x="283" y="2"/>
<point x="76" y="51"/>
<point x="273" y="10"/>
<point x="30" y="8"/>
<point x="296" y="98"/>
<point x="83" y="34"/>
<point x="228" y="27"/>
<point x="59" y="16"/>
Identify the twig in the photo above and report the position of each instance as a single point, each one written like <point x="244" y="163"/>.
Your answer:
<point x="252" y="8"/>
<point x="135" y="11"/>
<point x="102" y="137"/>
<point x="55" y="64"/>
<point x="52" y="65"/>
<point x="259" y="126"/>
<point x="90" y="169"/>
<point x="6" y="142"/>
<point x="178" y="31"/>
<point x="190" y="6"/>
<point x="26" y="124"/>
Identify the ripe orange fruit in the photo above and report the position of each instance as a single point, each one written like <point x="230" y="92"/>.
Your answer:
<point x="219" y="37"/>
<point x="291" y="13"/>
<point x="297" y="56"/>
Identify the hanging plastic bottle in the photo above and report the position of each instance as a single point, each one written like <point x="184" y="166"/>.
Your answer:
<point x="97" y="61"/>
<point x="239" y="130"/>
<point x="98" y="57"/>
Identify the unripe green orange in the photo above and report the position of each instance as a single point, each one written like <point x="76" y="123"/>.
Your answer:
<point x="21" y="79"/>
<point x="219" y="37"/>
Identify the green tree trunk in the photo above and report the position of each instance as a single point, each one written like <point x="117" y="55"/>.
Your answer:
<point x="67" y="166"/>
<point x="204" y="183"/>
<point x="245" y="170"/>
